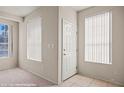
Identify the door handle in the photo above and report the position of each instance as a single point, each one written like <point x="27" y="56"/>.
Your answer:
<point x="65" y="54"/>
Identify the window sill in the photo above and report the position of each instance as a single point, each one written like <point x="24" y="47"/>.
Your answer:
<point x="34" y="60"/>
<point x="4" y="57"/>
<point x="98" y="63"/>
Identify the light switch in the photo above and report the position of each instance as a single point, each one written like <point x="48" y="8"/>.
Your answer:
<point x="52" y="45"/>
<point x="48" y="45"/>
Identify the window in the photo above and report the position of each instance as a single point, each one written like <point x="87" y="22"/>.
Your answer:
<point x="34" y="39"/>
<point x="98" y="38"/>
<point x="5" y="47"/>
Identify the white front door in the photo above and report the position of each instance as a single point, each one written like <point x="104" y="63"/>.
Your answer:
<point x="69" y="50"/>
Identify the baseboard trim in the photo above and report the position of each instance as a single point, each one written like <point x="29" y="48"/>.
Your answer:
<point x="107" y="80"/>
<point x="8" y="68"/>
<point x="40" y="76"/>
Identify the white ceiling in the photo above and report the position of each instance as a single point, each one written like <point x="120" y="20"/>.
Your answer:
<point x="22" y="11"/>
<point x="18" y="10"/>
<point x="78" y="8"/>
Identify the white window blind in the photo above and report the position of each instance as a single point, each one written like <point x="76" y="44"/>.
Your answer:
<point x="98" y="42"/>
<point x="34" y="39"/>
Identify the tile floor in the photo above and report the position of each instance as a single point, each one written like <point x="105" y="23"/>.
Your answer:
<point x="82" y="81"/>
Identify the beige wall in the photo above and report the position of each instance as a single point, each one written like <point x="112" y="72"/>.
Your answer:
<point x="114" y="72"/>
<point x="11" y="62"/>
<point x="48" y="67"/>
<point x="68" y="14"/>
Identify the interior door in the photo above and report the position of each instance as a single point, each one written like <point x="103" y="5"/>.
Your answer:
<point x="69" y="50"/>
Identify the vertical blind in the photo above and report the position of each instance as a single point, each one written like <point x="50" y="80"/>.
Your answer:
<point x="34" y="39"/>
<point x="98" y="42"/>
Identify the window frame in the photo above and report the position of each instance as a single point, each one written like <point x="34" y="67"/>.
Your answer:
<point x="110" y="36"/>
<point x="10" y="40"/>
